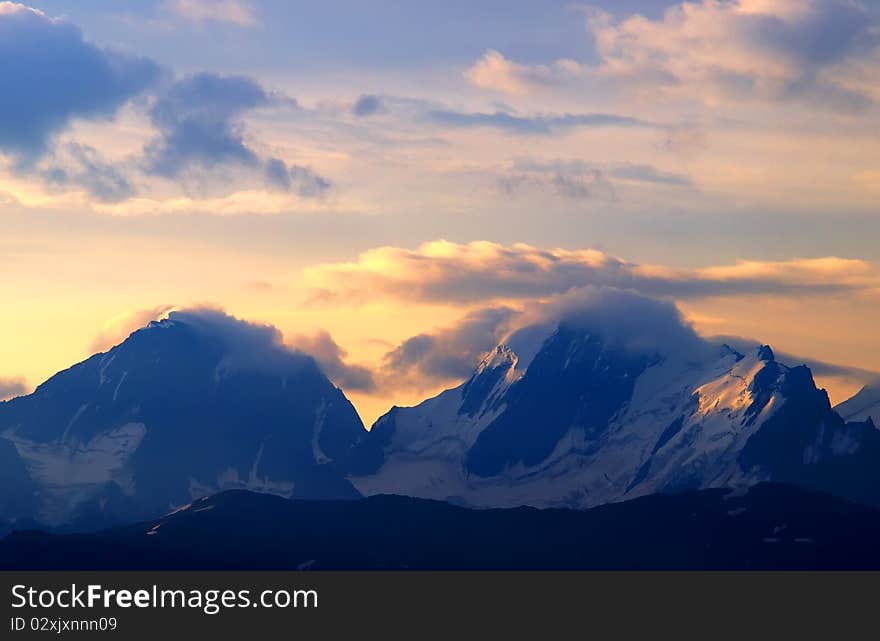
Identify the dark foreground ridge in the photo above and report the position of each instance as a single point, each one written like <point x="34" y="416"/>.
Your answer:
<point x="772" y="526"/>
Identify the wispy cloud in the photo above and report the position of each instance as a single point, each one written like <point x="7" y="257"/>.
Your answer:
<point x="531" y="124"/>
<point x="234" y="12"/>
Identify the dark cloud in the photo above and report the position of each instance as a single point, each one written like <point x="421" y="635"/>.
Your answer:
<point x="623" y="318"/>
<point x="49" y="75"/>
<point x="199" y="123"/>
<point x="12" y="387"/>
<point x="540" y="124"/>
<point x="448" y="353"/>
<point x="331" y="357"/>
<point x="304" y="181"/>
<point x="367" y="105"/>
<point x="248" y="346"/>
<point x="263" y="348"/>
<point x="825" y="33"/>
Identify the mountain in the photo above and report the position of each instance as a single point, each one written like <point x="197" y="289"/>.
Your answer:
<point x="568" y="416"/>
<point x="187" y="406"/>
<point x="865" y="405"/>
<point x="769" y="527"/>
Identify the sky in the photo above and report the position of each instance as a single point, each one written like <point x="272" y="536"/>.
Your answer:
<point x="394" y="184"/>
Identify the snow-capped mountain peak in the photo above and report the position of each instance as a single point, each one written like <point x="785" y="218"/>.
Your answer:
<point x="184" y="407"/>
<point x="589" y="421"/>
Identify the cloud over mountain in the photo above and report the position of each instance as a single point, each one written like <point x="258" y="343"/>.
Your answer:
<point x="446" y="353"/>
<point x="11" y="387"/>
<point x="332" y="359"/>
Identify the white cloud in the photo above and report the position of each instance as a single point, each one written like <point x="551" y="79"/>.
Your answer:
<point x="815" y="51"/>
<point x="495" y="72"/>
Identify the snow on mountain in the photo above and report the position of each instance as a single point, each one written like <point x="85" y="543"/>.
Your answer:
<point x="863" y="406"/>
<point x="589" y="421"/>
<point x="187" y="406"/>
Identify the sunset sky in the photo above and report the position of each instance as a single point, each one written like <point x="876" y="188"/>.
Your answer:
<point x="394" y="184"/>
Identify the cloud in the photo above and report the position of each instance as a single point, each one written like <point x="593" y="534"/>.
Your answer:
<point x="584" y="184"/>
<point x="445" y="354"/>
<point x="575" y="179"/>
<point x="625" y="319"/>
<point x="250" y="345"/>
<point x="368" y="105"/>
<point x="495" y="72"/>
<point x="304" y="181"/>
<point x="50" y="75"/>
<point x="537" y="124"/>
<point x="815" y="51"/>
<point x="198" y="121"/>
<point x="650" y="174"/>
<point x="442" y="271"/>
<point x="12" y="387"/>
<point x="331" y="357"/>
<point x="76" y="165"/>
<point x="818" y="367"/>
<point x="227" y="11"/>
<point x="118" y="328"/>
<point x="200" y="125"/>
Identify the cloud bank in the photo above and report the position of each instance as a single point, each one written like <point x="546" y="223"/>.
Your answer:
<point x="442" y="271"/>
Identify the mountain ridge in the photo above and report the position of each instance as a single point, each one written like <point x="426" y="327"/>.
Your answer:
<point x="770" y="526"/>
<point x="586" y="422"/>
<point x="184" y="407"/>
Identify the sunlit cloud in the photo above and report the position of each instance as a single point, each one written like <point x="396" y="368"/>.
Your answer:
<point x="482" y="271"/>
<point x="495" y="72"/>
<point x="12" y="387"/>
<point x="117" y="329"/>
<point x="806" y="51"/>
<point x="333" y="361"/>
